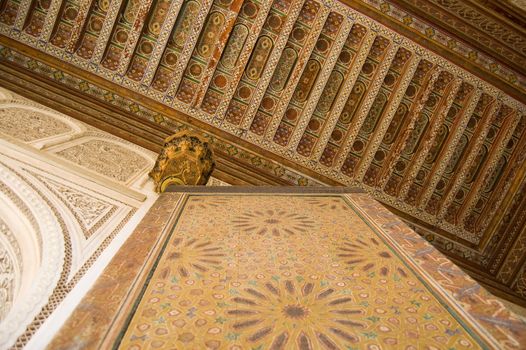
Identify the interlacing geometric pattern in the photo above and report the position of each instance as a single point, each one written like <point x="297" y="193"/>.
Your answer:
<point x="324" y="87"/>
<point x="339" y="282"/>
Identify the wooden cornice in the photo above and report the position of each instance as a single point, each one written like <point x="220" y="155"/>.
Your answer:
<point x="437" y="48"/>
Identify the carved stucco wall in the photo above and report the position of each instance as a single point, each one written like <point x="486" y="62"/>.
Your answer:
<point x="114" y="161"/>
<point x="32" y="237"/>
<point x="67" y="191"/>
<point x="9" y="269"/>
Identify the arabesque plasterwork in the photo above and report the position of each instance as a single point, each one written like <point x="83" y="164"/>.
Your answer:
<point x="8" y="267"/>
<point x="17" y="196"/>
<point x="80" y="213"/>
<point x="114" y="161"/>
<point x="35" y="125"/>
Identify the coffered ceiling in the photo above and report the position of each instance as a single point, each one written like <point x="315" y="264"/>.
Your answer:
<point x="419" y="102"/>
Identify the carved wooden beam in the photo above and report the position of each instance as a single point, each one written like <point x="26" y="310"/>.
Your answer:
<point x="78" y="25"/>
<point x="475" y="145"/>
<point x="514" y="262"/>
<point x="385" y="119"/>
<point x="22" y="14"/>
<point x="191" y="40"/>
<point x="296" y="75"/>
<point x="503" y="194"/>
<point x="507" y="128"/>
<point x="249" y="82"/>
<point x="364" y="108"/>
<point x="51" y="18"/>
<point x="234" y="60"/>
<point x="414" y="114"/>
<point x="435" y="123"/>
<point x="441" y="163"/>
<point x="311" y="81"/>
<point x="339" y="104"/>
<point x="134" y="35"/>
<point x="206" y="54"/>
<point x="230" y="20"/>
<point x="106" y="31"/>
<point x="319" y="86"/>
<point x="162" y="39"/>
<point x="263" y="81"/>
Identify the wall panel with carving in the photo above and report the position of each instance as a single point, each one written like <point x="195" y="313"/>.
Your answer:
<point x="67" y="192"/>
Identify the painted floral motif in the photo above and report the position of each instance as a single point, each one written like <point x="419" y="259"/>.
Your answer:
<point x="192" y="256"/>
<point x="290" y="314"/>
<point x="208" y="204"/>
<point x="360" y="253"/>
<point x="327" y="204"/>
<point x="273" y="222"/>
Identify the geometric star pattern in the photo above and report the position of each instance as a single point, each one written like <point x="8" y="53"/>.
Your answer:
<point x="338" y="284"/>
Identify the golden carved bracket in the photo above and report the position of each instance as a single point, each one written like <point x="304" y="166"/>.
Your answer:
<point x="186" y="159"/>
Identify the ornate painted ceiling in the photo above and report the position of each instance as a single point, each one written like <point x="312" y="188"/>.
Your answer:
<point x="419" y="102"/>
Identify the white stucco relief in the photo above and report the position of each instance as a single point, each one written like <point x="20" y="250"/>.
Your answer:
<point x="81" y="188"/>
<point x="42" y="259"/>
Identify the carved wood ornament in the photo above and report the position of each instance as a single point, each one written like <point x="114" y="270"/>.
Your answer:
<point x="186" y="159"/>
